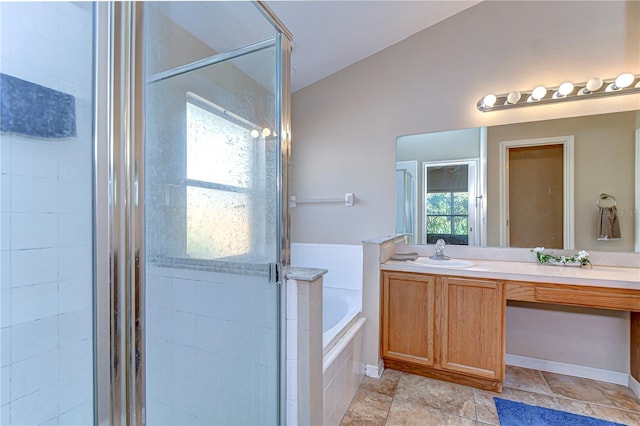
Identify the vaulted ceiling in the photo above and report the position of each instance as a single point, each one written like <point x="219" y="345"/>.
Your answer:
<point x="331" y="35"/>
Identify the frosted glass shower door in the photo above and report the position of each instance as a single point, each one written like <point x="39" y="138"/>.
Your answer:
<point x="211" y="208"/>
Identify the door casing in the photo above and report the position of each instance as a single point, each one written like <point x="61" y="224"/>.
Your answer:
<point x="568" y="179"/>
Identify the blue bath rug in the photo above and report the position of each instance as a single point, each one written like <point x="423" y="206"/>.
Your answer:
<point x="513" y="413"/>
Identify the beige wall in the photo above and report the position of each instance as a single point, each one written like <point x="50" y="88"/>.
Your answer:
<point x="345" y="126"/>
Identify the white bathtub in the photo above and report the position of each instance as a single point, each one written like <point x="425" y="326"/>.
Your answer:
<point x="343" y="359"/>
<point x="340" y="308"/>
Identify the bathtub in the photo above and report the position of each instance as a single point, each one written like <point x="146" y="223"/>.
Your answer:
<point x="340" y="307"/>
<point x="343" y="358"/>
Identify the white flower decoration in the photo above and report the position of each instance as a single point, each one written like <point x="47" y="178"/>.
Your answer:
<point x="582" y="258"/>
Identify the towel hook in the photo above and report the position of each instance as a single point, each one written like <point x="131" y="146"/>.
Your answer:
<point x="604" y="196"/>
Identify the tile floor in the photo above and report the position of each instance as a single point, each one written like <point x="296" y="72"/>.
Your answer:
<point x="405" y="399"/>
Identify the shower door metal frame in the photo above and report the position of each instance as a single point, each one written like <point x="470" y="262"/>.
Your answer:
<point x="283" y="118"/>
<point x="103" y="214"/>
<point x="119" y="297"/>
<point x="283" y="97"/>
<point x="127" y="361"/>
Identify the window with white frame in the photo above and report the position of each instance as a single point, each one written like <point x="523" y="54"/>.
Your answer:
<point x="220" y="157"/>
<point x="449" y="202"/>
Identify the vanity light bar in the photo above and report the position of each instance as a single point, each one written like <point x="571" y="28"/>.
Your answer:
<point x="624" y="84"/>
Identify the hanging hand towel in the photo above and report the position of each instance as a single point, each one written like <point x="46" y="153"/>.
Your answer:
<point x="608" y="225"/>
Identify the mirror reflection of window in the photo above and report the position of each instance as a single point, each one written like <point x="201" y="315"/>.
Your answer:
<point x="447" y="217"/>
<point x="449" y="202"/>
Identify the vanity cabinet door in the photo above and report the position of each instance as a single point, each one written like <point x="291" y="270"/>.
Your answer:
<point x="472" y="327"/>
<point x="408" y="317"/>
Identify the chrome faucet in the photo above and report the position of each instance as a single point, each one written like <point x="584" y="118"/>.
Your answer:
<point x="439" y="251"/>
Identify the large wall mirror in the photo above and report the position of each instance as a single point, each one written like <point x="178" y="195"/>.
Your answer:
<point x="569" y="183"/>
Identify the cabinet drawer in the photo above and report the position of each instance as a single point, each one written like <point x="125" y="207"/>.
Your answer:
<point x="592" y="298"/>
<point x="521" y="291"/>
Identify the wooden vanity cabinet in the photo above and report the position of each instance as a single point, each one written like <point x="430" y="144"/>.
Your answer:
<point x="445" y="327"/>
<point x="408" y="317"/>
<point x="473" y="327"/>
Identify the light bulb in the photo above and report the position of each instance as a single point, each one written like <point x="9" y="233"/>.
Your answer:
<point x="255" y="133"/>
<point x="489" y="101"/>
<point x="537" y="93"/>
<point x="266" y="132"/>
<point x="513" y="97"/>
<point x="565" y="89"/>
<point x="624" y="80"/>
<point x="592" y="85"/>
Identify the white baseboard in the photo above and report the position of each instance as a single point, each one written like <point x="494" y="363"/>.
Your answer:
<point x="608" y="376"/>
<point x="634" y="385"/>
<point x="374" y="371"/>
<point x="570" y="370"/>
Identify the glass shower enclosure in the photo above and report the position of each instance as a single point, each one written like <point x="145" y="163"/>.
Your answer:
<point x="212" y="182"/>
<point x="144" y="154"/>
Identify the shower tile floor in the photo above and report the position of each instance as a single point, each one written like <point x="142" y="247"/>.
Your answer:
<point x="406" y="399"/>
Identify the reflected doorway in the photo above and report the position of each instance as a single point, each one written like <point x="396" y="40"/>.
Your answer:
<point x="536" y="190"/>
<point x="535" y="196"/>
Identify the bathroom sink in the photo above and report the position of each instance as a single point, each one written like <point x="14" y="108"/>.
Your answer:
<point x="451" y="263"/>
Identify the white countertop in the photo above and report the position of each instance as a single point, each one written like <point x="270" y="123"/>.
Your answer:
<point x="596" y="276"/>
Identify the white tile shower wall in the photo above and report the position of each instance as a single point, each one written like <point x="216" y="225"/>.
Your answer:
<point x="343" y="262"/>
<point x="46" y="211"/>
<point x="207" y="341"/>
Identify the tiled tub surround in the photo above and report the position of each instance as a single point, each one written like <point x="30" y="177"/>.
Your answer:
<point x="204" y="333"/>
<point x="46" y="213"/>
<point x="343" y="363"/>
<point x="342" y="262"/>
<point x="324" y="359"/>
<point x="304" y="346"/>
<point x="343" y="370"/>
<point x="343" y="357"/>
<point x="609" y="328"/>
